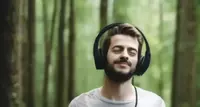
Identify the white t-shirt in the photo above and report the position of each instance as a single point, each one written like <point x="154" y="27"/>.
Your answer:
<point x="93" y="98"/>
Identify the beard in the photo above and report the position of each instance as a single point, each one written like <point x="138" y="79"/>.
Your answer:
<point x="118" y="76"/>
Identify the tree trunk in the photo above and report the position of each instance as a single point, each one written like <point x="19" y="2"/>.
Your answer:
<point x="24" y="53"/>
<point x="198" y="59"/>
<point x="48" y="43"/>
<point x="184" y="71"/>
<point x="20" y="36"/>
<point x="198" y="72"/>
<point x="52" y="34"/>
<point x="7" y="21"/>
<point x="160" y="55"/>
<point x="61" y="71"/>
<point x="71" y="50"/>
<point x="103" y="16"/>
<point x="103" y="13"/>
<point x="53" y="23"/>
<point x="31" y="53"/>
<point x="12" y="38"/>
<point x="47" y="53"/>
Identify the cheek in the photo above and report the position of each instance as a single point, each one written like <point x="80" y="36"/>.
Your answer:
<point x="111" y="57"/>
<point x="134" y="61"/>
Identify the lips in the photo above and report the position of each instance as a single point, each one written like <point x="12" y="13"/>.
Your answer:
<point x="122" y="64"/>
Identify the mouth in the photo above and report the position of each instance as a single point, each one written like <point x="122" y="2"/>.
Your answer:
<point x="122" y="64"/>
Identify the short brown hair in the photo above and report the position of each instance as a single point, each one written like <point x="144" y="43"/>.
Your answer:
<point x="125" y="29"/>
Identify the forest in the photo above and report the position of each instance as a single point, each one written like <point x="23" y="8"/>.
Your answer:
<point x="47" y="57"/>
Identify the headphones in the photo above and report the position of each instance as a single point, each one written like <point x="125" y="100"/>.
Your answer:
<point x="100" y="60"/>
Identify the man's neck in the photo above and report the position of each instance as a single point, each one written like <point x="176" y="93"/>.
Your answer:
<point x="118" y="91"/>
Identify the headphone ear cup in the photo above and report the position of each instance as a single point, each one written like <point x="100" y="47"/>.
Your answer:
<point x="141" y="60"/>
<point x="99" y="60"/>
<point x="143" y="64"/>
<point x="139" y="67"/>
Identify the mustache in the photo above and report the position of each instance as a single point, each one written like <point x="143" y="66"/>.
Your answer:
<point x="122" y="60"/>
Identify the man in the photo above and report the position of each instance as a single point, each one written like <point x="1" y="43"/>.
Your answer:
<point x="122" y="51"/>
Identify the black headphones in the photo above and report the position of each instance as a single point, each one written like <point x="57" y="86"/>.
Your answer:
<point x="99" y="59"/>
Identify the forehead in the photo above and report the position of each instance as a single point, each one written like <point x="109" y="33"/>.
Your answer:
<point x="124" y="40"/>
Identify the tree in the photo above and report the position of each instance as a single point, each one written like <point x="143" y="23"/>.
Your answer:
<point x="19" y="55"/>
<point x="103" y="16"/>
<point x="47" y="47"/>
<point x="71" y="52"/>
<point x="31" y="53"/>
<point x="60" y="63"/>
<point x="47" y="53"/>
<point x="198" y="59"/>
<point x="161" y="52"/>
<point x="103" y="13"/>
<point x="7" y="42"/>
<point x="184" y="69"/>
<point x="198" y="73"/>
<point x="12" y="37"/>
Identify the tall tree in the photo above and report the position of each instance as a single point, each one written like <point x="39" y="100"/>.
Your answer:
<point x="24" y="54"/>
<point x="103" y="13"/>
<point x="11" y="59"/>
<point x="198" y="58"/>
<point x="48" y="43"/>
<point x="47" y="53"/>
<point x="198" y="73"/>
<point x="18" y="69"/>
<point x="184" y="69"/>
<point x="161" y="52"/>
<point x="7" y="21"/>
<point x="71" y="52"/>
<point x="31" y="53"/>
<point x="60" y="63"/>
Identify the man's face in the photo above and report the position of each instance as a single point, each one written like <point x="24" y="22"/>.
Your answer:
<point x="123" y="53"/>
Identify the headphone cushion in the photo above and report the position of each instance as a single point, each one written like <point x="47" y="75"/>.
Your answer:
<point x="99" y="60"/>
<point x="142" y="65"/>
<point x="139" y="67"/>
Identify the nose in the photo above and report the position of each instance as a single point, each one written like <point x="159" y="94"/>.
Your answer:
<point x="124" y="55"/>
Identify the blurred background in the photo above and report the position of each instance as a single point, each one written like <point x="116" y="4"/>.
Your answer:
<point x="47" y="47"/>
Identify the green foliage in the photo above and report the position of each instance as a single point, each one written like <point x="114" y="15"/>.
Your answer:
<point x="198" y="1"/>
<point x="122" y="10"/>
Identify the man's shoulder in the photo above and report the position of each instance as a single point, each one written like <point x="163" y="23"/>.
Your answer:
<point x="146" y="93"/>
<point x="150" y="96"/>
<point x="81" y="99"/>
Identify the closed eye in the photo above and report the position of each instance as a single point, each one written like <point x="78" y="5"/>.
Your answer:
<point x="132" y="51"/>
<point x="117" y="49"/>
